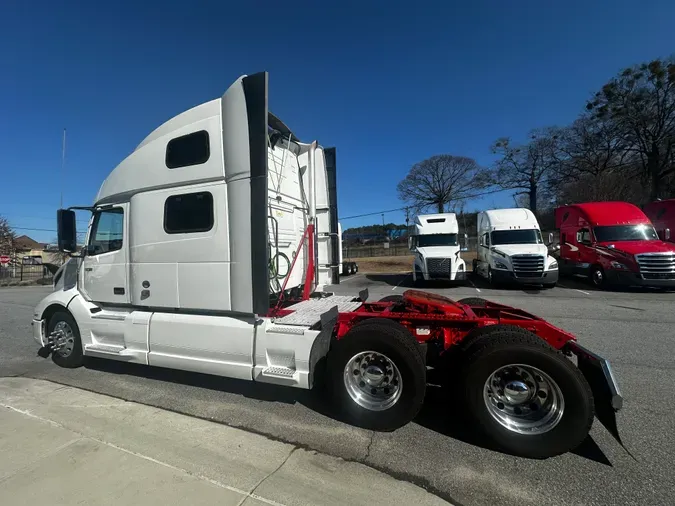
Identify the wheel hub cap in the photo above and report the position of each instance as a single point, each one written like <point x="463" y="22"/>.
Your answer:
<point x="523" y="399"/>
<point x="63" y="339"/>
<point x="373" y="375"/>
<point x="373" y="381"/>
<point x="516" y="392"/>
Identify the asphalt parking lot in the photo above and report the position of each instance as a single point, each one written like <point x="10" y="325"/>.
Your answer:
<point x="633" y="329"/>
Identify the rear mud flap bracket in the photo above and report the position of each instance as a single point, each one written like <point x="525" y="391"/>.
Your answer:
<point x="608" y="398"/>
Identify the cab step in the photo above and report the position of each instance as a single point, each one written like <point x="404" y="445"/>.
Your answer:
<point x="278" y="372"/>
<point x="108" y="349"/>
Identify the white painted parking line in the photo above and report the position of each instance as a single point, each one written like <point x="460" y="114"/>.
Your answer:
<point x="477" y="289"/>
<point x="399" y="283"/>
<point x="575" y="289"/>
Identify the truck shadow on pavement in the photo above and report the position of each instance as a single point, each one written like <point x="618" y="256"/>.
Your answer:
<point x="438" y="417"/>
<point x="434" y="415"/>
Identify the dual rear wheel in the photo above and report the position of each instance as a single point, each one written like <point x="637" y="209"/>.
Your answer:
<point x="525" y="396"/>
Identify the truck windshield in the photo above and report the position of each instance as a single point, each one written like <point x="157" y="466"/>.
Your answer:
<point x="625" y="233"/>
<point x="425" y="241"/>
<point x="529" y="236"/>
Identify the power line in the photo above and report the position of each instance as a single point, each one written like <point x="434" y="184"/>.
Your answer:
<point x="408" y="207"/>
<point x="39" y="229"/>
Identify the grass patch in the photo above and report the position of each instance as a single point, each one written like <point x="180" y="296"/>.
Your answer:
<point x="397" y="264"/>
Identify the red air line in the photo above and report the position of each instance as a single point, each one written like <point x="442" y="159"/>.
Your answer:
<point x="309" y="275"/>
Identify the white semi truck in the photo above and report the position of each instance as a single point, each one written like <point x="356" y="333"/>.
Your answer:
<point x="206" y="250"/>
<point x="512" y="250"/>
<point x="435" y="244"/>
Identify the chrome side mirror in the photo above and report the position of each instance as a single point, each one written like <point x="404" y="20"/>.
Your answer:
<point x="666" y="234"/>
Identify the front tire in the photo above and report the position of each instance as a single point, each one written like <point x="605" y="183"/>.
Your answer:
<point x="64" y="327"/>
<point x="418" y="278"/>
<point x="490" y="279"/>
<point x="527" y="397"/>
<point x="378" y="375"/>
<point x="548" y="286"/>
<point x="597" y="276"/>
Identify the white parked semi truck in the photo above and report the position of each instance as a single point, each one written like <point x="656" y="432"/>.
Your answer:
<point x="512" y="250"/>
<point x="206" y="251"/>
<point x="435" y="244"/>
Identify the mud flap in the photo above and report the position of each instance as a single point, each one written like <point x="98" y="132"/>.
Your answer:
<point x="598" y="373"/>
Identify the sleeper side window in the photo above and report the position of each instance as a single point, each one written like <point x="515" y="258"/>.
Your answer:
<point x="191" y="149"/>
<point x="188" y="213"/>
<point x="107" y="232"/>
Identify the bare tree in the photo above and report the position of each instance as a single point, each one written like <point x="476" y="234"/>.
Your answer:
<point x="640" y="103"/>
<point x="592" y="151"/>
<point x="527" y="168"/>
<point x="441" y="180"/>
<point x="7" y="237"/>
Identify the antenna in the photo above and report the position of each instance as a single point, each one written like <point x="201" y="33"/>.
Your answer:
<point x="63" y="164"/>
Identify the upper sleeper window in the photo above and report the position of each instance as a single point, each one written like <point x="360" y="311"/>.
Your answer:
<point x="190" y="149"/>
<point x="188" y="213"/>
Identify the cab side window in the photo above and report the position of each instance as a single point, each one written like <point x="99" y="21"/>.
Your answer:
<point x="584" y="236"/>
<point x="188" y="213"/>
<point x="485" y="240"/>
<point x="107" y="233"/>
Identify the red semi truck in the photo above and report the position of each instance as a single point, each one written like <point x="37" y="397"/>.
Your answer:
<point x="662" y="214"/>
<point x="613" y="243"/>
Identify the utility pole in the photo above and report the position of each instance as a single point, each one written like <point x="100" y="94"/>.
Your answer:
<point x="384" y="231"/>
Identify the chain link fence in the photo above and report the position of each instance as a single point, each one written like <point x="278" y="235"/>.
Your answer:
<point x="382" y="249"/>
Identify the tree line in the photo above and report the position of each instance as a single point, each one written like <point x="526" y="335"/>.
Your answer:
<point x="620" y="147"/>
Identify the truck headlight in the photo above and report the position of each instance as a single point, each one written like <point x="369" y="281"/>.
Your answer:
<point x="618" y="266"/>
<point x="553" y="265"/>
<point x="500" y="265"/>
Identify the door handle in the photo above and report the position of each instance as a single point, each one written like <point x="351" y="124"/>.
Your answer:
<point x="88" y="269"/>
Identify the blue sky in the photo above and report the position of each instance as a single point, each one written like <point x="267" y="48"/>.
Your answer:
<point x="387" y="83"/>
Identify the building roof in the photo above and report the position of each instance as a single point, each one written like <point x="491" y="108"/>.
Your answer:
<point x="611" y="213"/>
<point x="24" y="242"/>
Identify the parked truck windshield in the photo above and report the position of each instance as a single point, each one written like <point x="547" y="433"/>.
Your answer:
<point x="425" y="241"/>
<point x="626" y="233"/>
<point x="529" y="236"/>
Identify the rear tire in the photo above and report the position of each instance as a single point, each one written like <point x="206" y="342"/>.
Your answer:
<point x="71" y="355"/>
<point x="541" y="406"/>
<point x="392" y="298"/>
<point x="473" y="301"/>
<point x="357" y="363"/>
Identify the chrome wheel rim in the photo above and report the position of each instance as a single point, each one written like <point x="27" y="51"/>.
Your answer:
<point x="597" y="277"/>
<point x="373" y="381"/>
<point x="64" y="339"/>
<point x="523" y="399"/>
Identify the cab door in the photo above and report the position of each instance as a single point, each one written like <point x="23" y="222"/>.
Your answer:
<point x="104" y="267"/>
<point x="586" y="255"/>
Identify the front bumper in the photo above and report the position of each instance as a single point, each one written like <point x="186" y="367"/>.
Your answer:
<point x="501" y="276"/>
<point x="628" y="278"/>
<point x="38" y="331"/>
